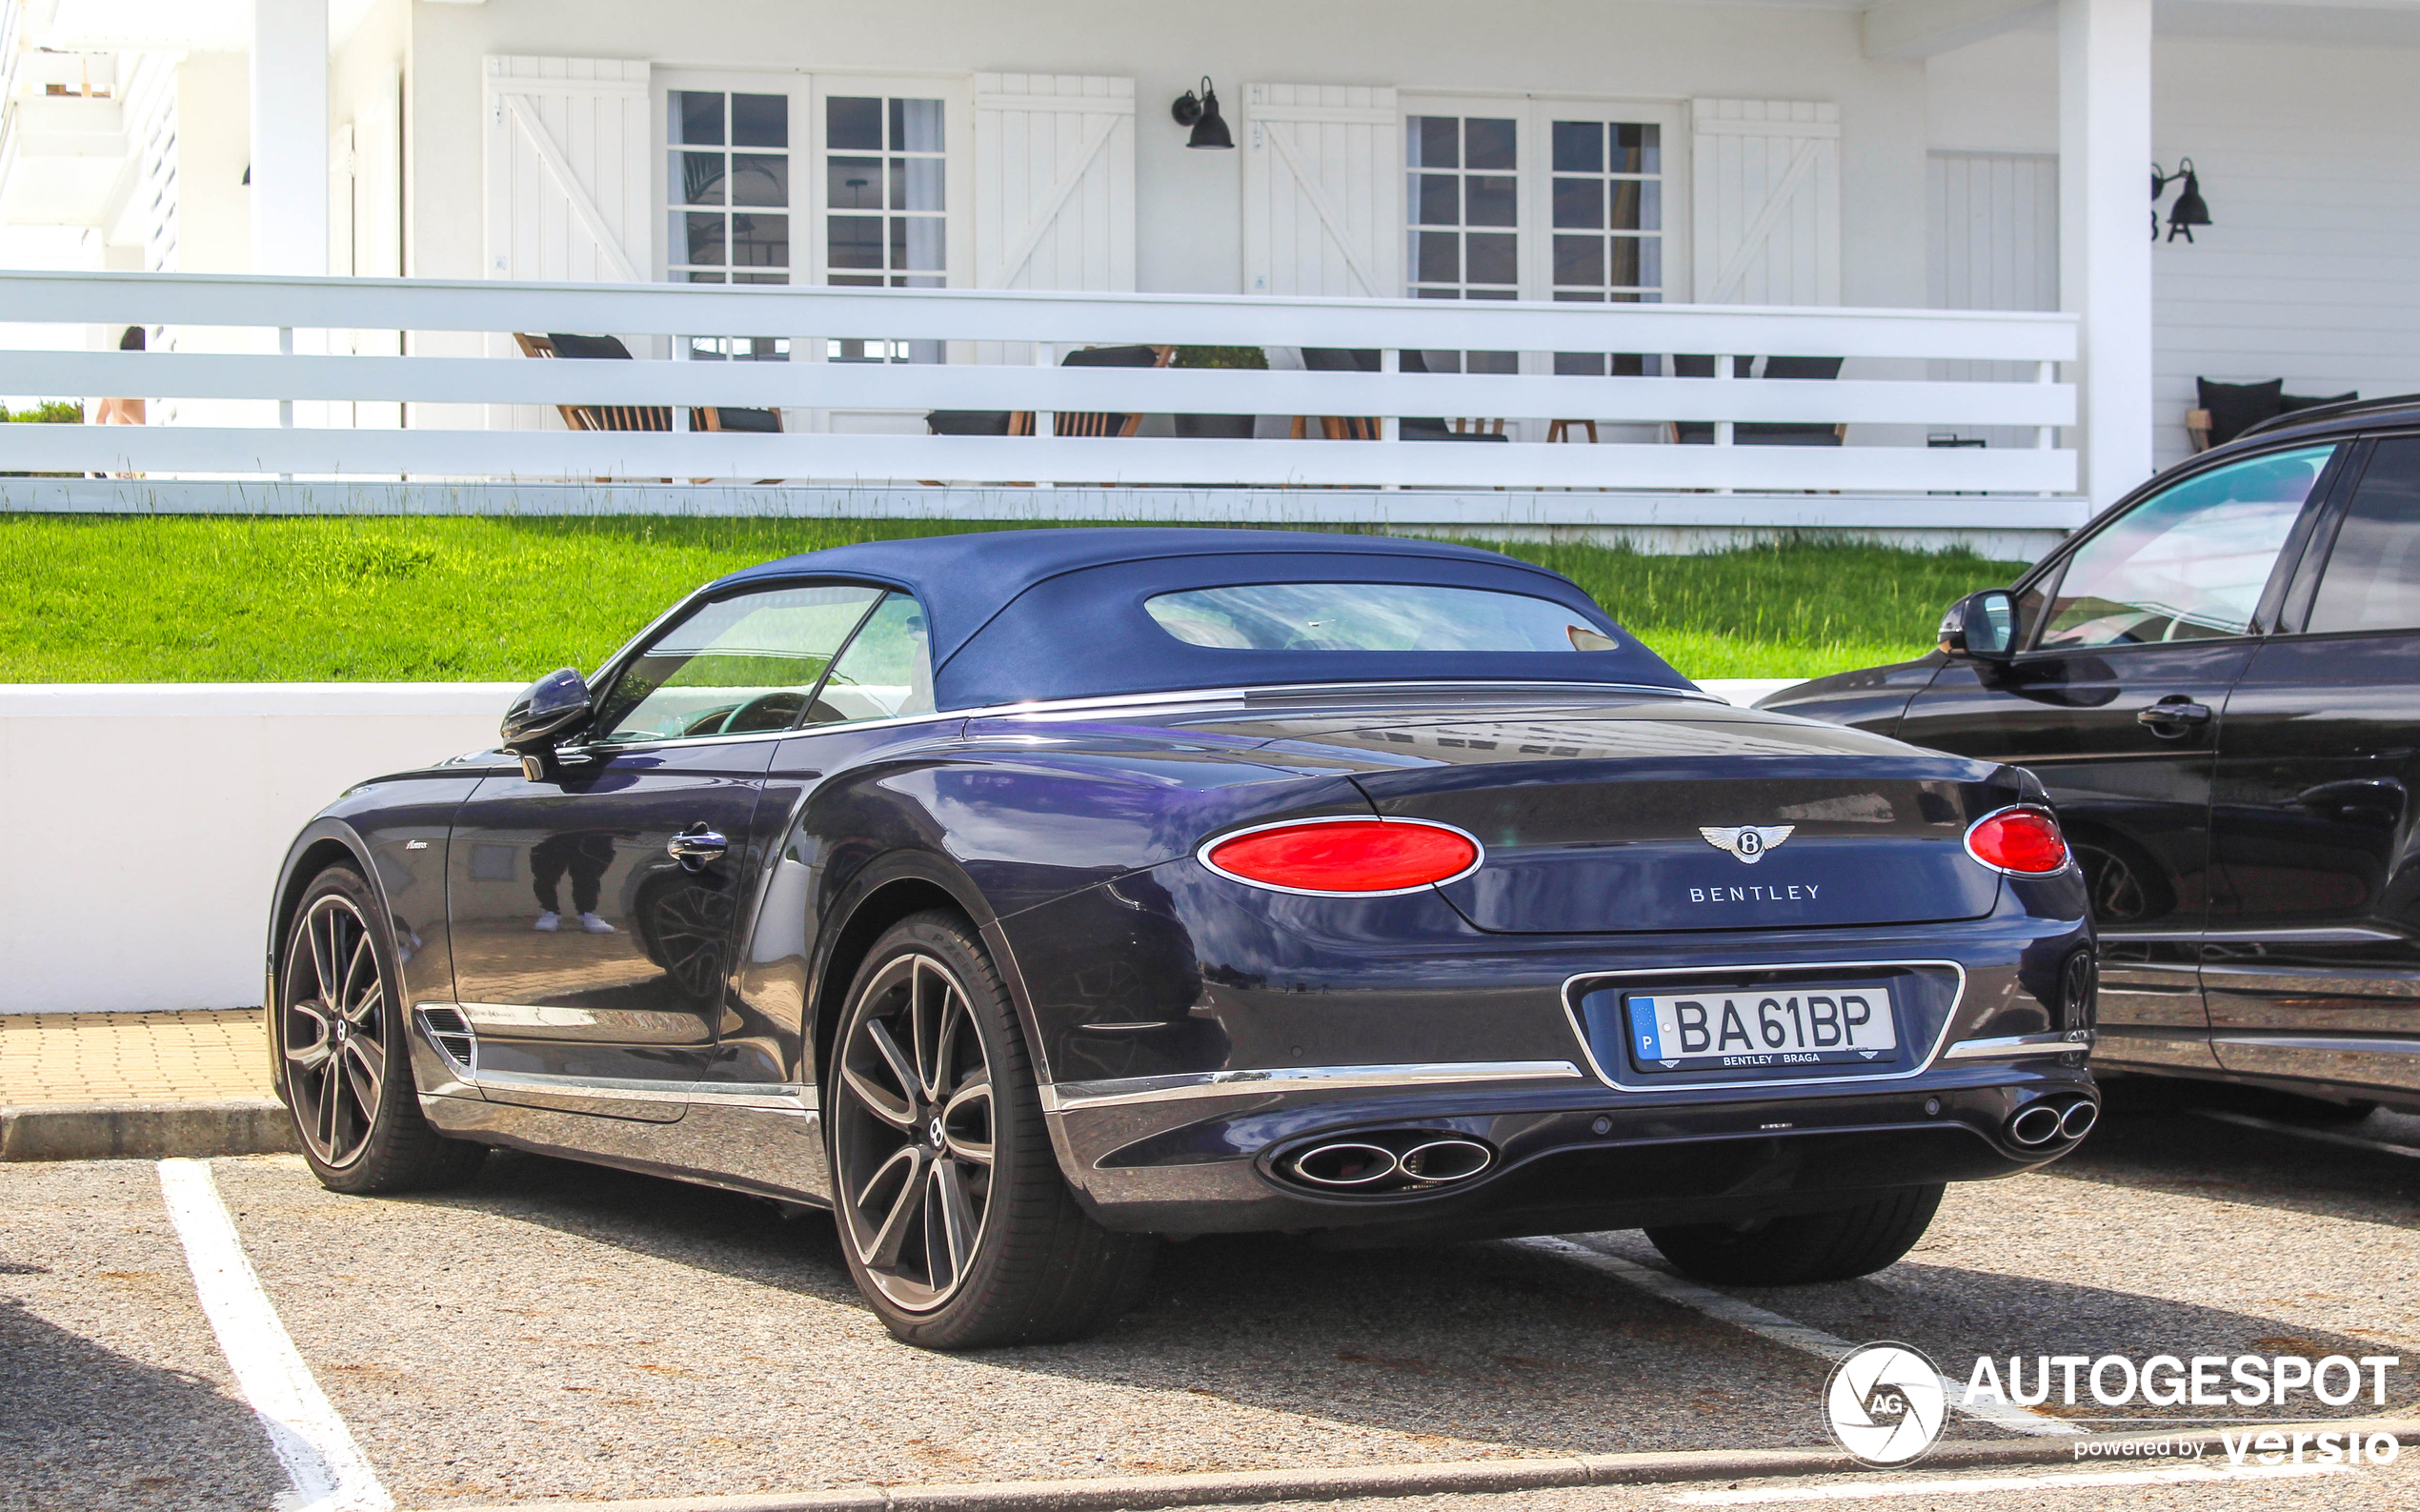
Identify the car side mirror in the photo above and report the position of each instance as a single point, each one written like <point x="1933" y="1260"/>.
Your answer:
<point x="546" y="710"/>
<point x="1980" y="626"/>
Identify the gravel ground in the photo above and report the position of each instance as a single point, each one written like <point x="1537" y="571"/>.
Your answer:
<point x="113" y="1391"/>
<point x="562" y="1330"/>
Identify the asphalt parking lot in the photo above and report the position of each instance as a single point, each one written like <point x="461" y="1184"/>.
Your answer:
<point x="562" y="1332"/>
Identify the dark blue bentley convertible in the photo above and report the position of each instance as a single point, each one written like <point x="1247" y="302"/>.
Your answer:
<point x="1023" y="896"/>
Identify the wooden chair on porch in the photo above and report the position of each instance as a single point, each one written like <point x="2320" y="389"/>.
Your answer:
<point x="637" y="417"/>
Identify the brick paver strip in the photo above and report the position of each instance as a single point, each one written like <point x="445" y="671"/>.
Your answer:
<point x="53" y="1058"/>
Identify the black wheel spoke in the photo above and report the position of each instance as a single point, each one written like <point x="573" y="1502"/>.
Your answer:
<point x="332" y="1030"/>
<point x="905" y="1166"/>
<point x="966" y="1122"/>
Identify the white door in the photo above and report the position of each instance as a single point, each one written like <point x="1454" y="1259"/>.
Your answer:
<point x="1993" y="244"/>
<point x="1765" y="202"/>
<point x="1323" y="190"/>
<point x="568" y="182"/>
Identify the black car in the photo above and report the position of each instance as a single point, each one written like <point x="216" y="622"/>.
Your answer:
<point x="1022" y="896"/>
<point x="2218" y="681"/>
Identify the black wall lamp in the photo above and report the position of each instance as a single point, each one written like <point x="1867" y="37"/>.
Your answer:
<point x="2189" y="210"/>
<point x="1209" y="127"/>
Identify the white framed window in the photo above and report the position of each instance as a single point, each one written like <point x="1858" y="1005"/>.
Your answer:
<point x="1545" y="199"/>
<point x="727" y="184"/>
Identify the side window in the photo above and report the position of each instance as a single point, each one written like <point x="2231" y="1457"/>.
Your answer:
<point x="2187" y="563"/>
<point x="2373" y="574"/>
<point x="736" y="666"/>
<point x="886" y="672"/>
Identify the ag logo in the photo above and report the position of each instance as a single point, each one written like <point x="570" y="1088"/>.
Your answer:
<point x="1748" y="842"/>
<point x="1884" y="1405"/>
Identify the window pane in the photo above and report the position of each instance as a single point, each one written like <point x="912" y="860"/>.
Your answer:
<point x="2186" y="564"/>
<point x="741" y="665"/>
<point x="916" y="126"/>
<point x="853" y="183"/>
<point x="854" y="241"/>
<point x="761" y="241"/>
<point x="1436" y="258"/>
<point x="698" y="276"/>
<point x="1638" y="148"/>
<point x="1638" y="205"/>
<point x="1580" y="147"/>
<point x="696" y="178"/>
<point x="760" y="278"/>
<point x="918" y="242"/>
<point x="760" y="179"/>
<point x="1436" y="199"/>
<point x="1579" y="260"/>
<point x="1579" y="203"/>
<point x="1436" y="141"/>
<point x="1489" y="144"/>
<point x="1371" y="617"/>
<point x="700" y="238"/>
<point x="1490" y="201"/>
<point x="1492" y="259"/>
<point x="853" y="123"/>
<point x="1580" y="365"/>
<point x="2373" y="574"/>
<point x="887" y="671"/>
<point x="696" y="117"/>
<point x="915" y="183"/>
<point x="760" y="120"/>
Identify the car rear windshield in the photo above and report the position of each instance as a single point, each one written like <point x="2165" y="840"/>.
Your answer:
<point x="1371" y="617"/>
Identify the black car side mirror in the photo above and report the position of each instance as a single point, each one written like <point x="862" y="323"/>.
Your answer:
<point x="1980" y="626"/>
<point x="546" y="710"/>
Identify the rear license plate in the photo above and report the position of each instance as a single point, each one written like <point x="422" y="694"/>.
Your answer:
<point x="1774" y="1028"/>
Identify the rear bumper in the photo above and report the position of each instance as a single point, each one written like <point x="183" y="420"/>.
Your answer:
<point x="1570" y="1156"/>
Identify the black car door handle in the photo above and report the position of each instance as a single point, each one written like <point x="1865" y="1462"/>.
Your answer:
<point x="2183" y="714"/>
<point x="695" y="846"/>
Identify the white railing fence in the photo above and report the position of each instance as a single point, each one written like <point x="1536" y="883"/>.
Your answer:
<point x="1871" y="341"/>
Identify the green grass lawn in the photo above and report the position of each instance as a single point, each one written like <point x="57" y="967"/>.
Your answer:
<point x="199" y="599"/>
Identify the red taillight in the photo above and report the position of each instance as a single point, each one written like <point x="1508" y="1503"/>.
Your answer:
<point x="1345" y="855"/>
<point x="2022" y="841"/>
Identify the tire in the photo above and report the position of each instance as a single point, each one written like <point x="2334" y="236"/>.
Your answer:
<point x="956" y="1224"/>
<point x="348" y="1058"/>
<point x="1833" y="1246"/>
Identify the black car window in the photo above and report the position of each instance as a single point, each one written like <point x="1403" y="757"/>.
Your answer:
<point x="2190" y="562"/>
<point x="736" y="666"/>
<point x="2373" y="580"/>
<point x="886" y="673"/>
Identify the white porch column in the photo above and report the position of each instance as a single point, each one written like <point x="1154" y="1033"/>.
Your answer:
<point x="289" y="136"/>
<point x="2105" y="219"/>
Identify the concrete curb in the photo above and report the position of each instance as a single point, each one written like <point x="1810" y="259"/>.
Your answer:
<point x="1465" y="1477"/>
<point x="146" y="1131"/>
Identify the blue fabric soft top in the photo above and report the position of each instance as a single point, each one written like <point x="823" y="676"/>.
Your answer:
<point x="1022" y="615"/>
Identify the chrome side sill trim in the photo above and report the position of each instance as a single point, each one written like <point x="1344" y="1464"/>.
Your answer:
<point x="2010" y="1047"/>
<point x="1067" y="1096"/>
<point x="2340" y="1044"/>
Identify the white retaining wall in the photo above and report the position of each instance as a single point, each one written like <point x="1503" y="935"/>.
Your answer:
<point x="149" y="821"/>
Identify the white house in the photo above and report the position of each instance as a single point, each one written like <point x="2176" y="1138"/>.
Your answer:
<point x="1589" y="161"/>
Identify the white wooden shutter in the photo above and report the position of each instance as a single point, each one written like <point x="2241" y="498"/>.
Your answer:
<point x="1323" y="190"/>
<point x="1054" y="182"/>
<point x="1764" y="182"/>
<point x="569" y="186"/>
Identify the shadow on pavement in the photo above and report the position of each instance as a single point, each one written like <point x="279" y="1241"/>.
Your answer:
<point x="84" y="1427"/>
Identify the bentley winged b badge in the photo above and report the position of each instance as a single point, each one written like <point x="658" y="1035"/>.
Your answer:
<point x="1748" y="842"/>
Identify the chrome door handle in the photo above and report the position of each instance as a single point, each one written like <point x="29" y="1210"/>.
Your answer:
<point x="697" y="846"/>
<point x="2183" y="713"/>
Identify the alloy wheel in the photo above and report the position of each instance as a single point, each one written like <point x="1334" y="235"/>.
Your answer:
<point x="913" y="1132"/>
<point x="332" y="1030"/>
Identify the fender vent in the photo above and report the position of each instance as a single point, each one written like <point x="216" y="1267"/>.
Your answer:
<point x="452" y="1034"/>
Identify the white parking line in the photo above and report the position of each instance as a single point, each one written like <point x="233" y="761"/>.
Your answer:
<point x="327" y="1468"/>
<point x="2001" y="1485"/>
<point x="2323" y="1136"/>
<point x="1729" y="1309"/>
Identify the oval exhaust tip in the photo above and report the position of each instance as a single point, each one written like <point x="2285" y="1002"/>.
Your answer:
<point x="2036" y="1125"/>
<point x="1442" y="1160"/>
<point x="1345" y="1164"/>
<point x="2078" y="1121"/>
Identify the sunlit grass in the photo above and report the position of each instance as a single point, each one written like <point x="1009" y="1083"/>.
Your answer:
<point x="448" y="598"/>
